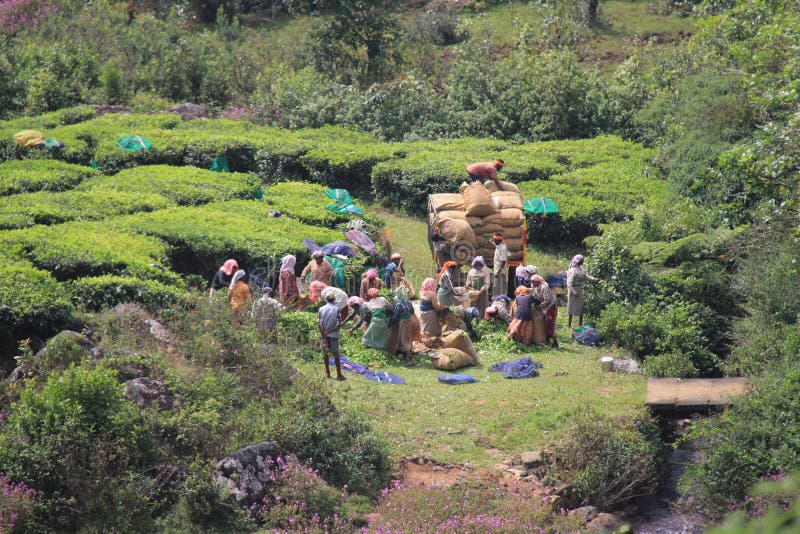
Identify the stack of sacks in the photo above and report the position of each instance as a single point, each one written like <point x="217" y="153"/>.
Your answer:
<point x="458" y="352"/>
<point x="478" y="213"/>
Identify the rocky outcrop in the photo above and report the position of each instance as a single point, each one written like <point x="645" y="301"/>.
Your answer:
<point x="189" y="111"/>
<point x="148" y="391"/>
<point x="246" y="472"/>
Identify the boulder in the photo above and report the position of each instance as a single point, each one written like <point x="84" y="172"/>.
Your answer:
<point x="586" y="513"/>
<point x="159" y="331"/>
<point x="246" y="472"/>
<point x="147" y="391"/>
<point x="626" y="364"/>
<point x="21" y="373"/>
<point x="603" y="522"/>
<point x="532" y="459"/>
<point x="189" y="111"/>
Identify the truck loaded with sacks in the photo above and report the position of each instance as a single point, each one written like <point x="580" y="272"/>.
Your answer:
<point x="461" y="225"/>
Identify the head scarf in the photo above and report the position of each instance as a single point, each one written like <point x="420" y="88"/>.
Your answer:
<point x="473" y="311"/>
<point x="318" y="254"/>
<point x="229" y="267"/>
<point x="372" y="292"/>
<point x="287" y="263"/>
<point x="401" y="294"/>
<point x="498" y="237"/>
<point x="267" y="291"/>
<point x="355" y="301"/>
<point x="372" y="274"/>
<point x="536" y="279"/>
<point x="395" y="256"/>
<point x="531" y="269"/>
<point x="499" y="163"/>
<point x="428" y="286"/>
<point x="577" y="259"/>
<point x="238" y="275"/>
<point x="445" y="267"/>
<point x="478" y="259"/>
<point x="314" y="290"/>
<point x="522" y="290"/>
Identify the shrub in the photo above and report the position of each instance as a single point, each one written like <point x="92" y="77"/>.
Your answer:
<point x="672" y="365"/>
<point x="62" y="351"/>
<point x="659" y="327"/>
<point x="622" y="279"/>
<point x="98" y="293"/>
<point x="186" y="186"/>
<point x="16" y="503"/>
<point x="44" y="207"/>
<point x="36" y="175"/>
<point x="609" y="462"/>
<point x="340" y="444"/>
<point x="308" y="203"/>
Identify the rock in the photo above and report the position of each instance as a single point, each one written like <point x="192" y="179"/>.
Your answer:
<point x="245" y="472"/>
<point x="586" y="513"/>
<point x="100" y="110"/>
<point x="146" y="391"/>
<point x="518" y="473"/>
<point x="626" y="364"/>
<point x="159" y="331"/>
<point x="532" y="459"/>
<point x="189" y="111"/>
<point x="603" y="522"/>
<point x="79" y="339"/>
<point x="96" y="353"/>
<point x="21" y="373"/>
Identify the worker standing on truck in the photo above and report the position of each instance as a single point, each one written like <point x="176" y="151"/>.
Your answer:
<point x="486" y="170"/>
<point x="500" y="265"/>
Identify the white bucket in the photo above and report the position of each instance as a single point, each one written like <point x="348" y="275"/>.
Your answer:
<point x="606" y="363"/>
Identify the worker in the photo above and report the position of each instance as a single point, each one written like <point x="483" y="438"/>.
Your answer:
<point x="369" y="281"/>
<point x="500" y="265"/>
<point x="222" y="278"/>
<point x="329" y="325"/>
<point x="478" y="279"/>
<point x="320" y="269"/>
<point x="486" y="170"/>
<point x="547" y="305"/>
<point x="239" y="297"/>
<point x="575" y="278"/>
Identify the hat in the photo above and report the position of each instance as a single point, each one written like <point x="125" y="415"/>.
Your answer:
<point x="318" y="254"/>
<point x="396" y="256"/>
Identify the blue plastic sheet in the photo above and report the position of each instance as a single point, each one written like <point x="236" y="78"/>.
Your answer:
<point x="519" y="368"/>
<point x="586" y="334"/>
<point x="457" y="379"/>
<point x="349" y="365"/>
<point x="383" y="377"/>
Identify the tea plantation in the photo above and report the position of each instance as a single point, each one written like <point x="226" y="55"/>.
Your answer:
<point x="105" y="225"/>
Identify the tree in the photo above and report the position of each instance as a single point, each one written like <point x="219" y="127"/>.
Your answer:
<point x="360" y="43"/>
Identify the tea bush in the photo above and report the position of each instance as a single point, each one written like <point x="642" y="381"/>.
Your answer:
<point x="305" y="202"/>
<point x="673" y="365"/>
<point x="622" y="279"/>
<point x="44" y="207"/>
<point x="80" y="249"/>
<point x="26" y="176"/>
<point x="184" y="185"/>
<point x="609" y="462"/>
<point x="101" y="292"/>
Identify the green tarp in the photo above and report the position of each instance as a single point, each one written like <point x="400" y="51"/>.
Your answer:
<point x="540" y="206"/>
<point x="134" y="142"/>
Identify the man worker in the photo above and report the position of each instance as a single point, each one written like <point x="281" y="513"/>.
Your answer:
<point x="329" y="323"/>
<point x="486" y="170"/>
<point x="500" y="265"/>
<point x="319" y="268"/>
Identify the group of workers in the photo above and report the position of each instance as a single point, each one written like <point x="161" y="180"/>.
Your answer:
<point x="393" y="325"/>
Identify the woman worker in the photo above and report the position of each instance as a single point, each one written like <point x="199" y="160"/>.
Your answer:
<point x="401" y="321"/>
<point x="222" y="278"/>
<point x="239" y="297"/>
<point x="478" y="279"/>
<point x="370" y="281"/>
<point x="576" y="277"/>
<point x="378" y="330"/>
<point x="430" y="329"/>
<point x="445" y="291"/>
<point x="287" y="281"/>
<point x="541" y="291"/>
<point x="521" y="327"/>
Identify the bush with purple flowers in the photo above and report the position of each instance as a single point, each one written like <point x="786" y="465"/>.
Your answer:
<point x="18" y="15"/>
<point x="16" y="502"/>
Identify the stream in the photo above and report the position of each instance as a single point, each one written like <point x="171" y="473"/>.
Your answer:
<point x="663" y="512"/>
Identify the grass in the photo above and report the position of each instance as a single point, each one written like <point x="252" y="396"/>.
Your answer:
<point x="484" y="422"/>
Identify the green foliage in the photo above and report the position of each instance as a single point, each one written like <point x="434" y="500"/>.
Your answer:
<point x="59" y="75"/>
<point x="37" y="175"/>
<point x="338" y="443"/>
<point x="659" y="327"/>
<point x="45" y="207"/>
<point x="622" y="279"/>
<point x="62" y="351"/>
<point x="100" y="292"/>
<point x="609" y="462"/>
<point x="692" y="248"/>
<point x="33" y="303"/>
<point x="757" y="436"/>
<point x="186" y="186"/>
<point x="673" y="365"/>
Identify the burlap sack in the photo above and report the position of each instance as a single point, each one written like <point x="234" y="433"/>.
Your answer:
<point x="460" y="340"/>
<point x="514" y="243"/>
<point x="451" y="359"/>
<point x="506" y="217"/>
<point x="510" y="232"/>
<point x="477" y="200"/>
<point x="447" y="201"/>
<point x="484" y="243"/>
<point x="539" y="334"/>
<point x="456" y="230"/>
<point x="507" y="186"/>
<point x="515" y="255"/>
<point x="507" y="199"/>
<point x="474" y="221"/>
<point x="452" y="214"/>
<point x="486" y="228"/>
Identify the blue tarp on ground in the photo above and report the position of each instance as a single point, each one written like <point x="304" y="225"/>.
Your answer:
<point x="386" y="378"/>
<point x="586" y="334"/>
<point x="349" y="365"/>
<point x="457" y="379"/>
<point x="519" y="368"/>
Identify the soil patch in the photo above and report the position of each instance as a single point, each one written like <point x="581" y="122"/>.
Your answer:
<point x="416" y="470"/>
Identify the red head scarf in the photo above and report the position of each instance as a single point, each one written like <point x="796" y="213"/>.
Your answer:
<point x="446" y="266"/>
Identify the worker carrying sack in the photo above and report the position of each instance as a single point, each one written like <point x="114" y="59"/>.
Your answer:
<point x="477" y="200"/>
<point x="507" y="186"/>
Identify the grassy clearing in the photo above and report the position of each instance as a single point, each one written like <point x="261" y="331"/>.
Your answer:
<point x="482" y="422"/>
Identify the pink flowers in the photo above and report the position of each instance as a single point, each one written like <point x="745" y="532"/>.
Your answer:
<point x="15" y="503"/>
<point x="17" y="15"/>
<point x="237" y="113"/>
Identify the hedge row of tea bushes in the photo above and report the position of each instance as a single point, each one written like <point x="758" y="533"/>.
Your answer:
<point x="24" y="176"/>
<point x="594" y="181"/>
